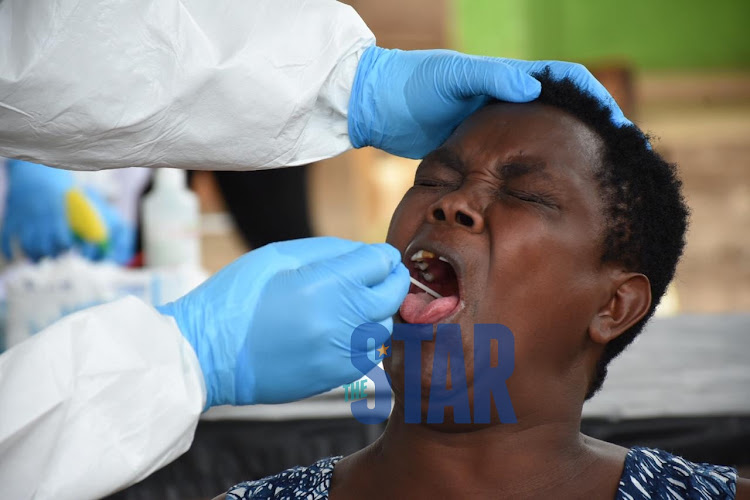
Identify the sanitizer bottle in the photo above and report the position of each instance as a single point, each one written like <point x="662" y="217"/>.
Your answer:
<point x="170" y="222"/>
<point x="171" y="235"/>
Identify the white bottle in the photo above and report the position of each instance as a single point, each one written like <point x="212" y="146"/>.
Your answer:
<point x="171" y="217"/>
<point x="171" y="236"/>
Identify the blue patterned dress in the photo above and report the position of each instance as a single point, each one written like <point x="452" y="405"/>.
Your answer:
<point x="648" y="474"/>
<point x="658" y="475"/>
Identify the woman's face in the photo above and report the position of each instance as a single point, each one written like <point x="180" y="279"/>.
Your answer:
<point x="511" y="203"/>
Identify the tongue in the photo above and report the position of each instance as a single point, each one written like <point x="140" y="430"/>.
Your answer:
<point x="422" y="308"/>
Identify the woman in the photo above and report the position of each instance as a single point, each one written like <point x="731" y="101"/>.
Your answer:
<point x="548" y="219"/>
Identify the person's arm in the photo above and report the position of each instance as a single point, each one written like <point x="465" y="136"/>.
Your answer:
<point x="186" y="83"/>
<point x="96" y="402"/>
<point x="104" y="397"/>
<point x="242" y="85"/>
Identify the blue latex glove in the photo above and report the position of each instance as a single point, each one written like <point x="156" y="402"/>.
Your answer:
<point x="275" y="325"/>
<point x="580" y="76"/>
<point x="408" y="102"/>
<point x="36" y="218"/>
<point x="35" y="215"/>
<point x="120" y="246"/>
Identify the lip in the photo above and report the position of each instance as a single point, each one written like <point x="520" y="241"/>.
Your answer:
<point x="450" y="255"/>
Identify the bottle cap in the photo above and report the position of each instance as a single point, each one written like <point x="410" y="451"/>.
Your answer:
<point x="170" y="178"/>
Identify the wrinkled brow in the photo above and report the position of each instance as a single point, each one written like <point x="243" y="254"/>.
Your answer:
<point x="521" y="166"/>
<point x="448" y="158"/>
<point x="512" y="168"/>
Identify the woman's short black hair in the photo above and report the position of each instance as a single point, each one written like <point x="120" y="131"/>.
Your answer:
<point x="645" y="211"/>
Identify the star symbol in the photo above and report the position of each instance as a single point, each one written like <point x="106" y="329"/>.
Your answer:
<point x="383" y="350"/>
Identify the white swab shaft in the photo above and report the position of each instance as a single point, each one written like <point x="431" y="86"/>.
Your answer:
<point x="426" y="288"/>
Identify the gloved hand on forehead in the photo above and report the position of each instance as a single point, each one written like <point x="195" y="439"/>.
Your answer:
<point x="408" y="102"/>
<point x="581" y="76"/>
<point x="275" y="325"/>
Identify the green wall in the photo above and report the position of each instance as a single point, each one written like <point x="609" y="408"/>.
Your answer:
<point x="652" y="34"/>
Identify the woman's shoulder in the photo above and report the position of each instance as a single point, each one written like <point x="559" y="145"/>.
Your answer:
<point x="311" y="482"/>
<point x="653" y="473"/>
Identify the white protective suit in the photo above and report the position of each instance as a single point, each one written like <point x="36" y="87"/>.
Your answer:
<point x="106" y="396"/>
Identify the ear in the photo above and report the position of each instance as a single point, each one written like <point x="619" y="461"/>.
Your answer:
<point x="628" y="302"/>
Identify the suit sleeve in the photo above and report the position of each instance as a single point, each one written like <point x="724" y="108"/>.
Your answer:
<point x="231" y="85"/>
<point x="96" y="402"/>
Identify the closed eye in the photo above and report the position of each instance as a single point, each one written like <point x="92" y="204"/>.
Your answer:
<point x="434" y="183"/>
<point x="533" y="198"/>
<point x="427" y="183"/>
<point x="436" y="174"/>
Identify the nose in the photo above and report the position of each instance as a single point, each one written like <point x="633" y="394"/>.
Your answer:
<point x="456" y="207"/>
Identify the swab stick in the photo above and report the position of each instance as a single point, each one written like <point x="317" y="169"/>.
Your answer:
<point x="426" y="288"/>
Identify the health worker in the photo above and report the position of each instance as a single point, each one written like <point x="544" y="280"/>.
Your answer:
<point x="106" y="396"/>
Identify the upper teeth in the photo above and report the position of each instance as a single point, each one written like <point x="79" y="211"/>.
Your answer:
<point x="419" y="262"/>
<point x="425" y="254"/>
<point x="421" y="255"/>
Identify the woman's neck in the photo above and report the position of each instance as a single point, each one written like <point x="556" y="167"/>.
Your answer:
<point x="536" y="456"/>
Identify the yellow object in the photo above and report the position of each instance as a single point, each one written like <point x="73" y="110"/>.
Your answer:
<point x="85" y="220"/>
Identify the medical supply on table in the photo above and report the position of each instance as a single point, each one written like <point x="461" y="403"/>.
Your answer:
<point x="425" y="288"/>
<point x="37" y="295"/>
<point x="171" y="220"/>
<point x="171" y="235"/>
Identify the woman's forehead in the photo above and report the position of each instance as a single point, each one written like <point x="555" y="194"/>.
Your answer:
<point x="508" y="132"/>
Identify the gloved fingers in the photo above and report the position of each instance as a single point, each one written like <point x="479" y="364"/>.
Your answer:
<point x="37" y="178"/>
<point x="90" y="251"/>
<point x="309" y="250"/>
<point x="388" y="324"/>
<point x="367" y="265"/>
<point x="62" y="239"/>
<point x="381" y="339"/>
<point x="581" y="76"/>
<point x="5" y="240"/>
<point x="493" y="77"/>
<point x="31" y="243"/>
<point x="369" y="338"/>
<point x="382" y="301"/>
<point x="121" y="244"/>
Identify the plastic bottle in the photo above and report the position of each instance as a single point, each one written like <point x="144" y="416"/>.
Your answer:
<point x="171" y="235"/>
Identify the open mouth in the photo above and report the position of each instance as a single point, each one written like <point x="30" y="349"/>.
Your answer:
<point x="436" y="273"/>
